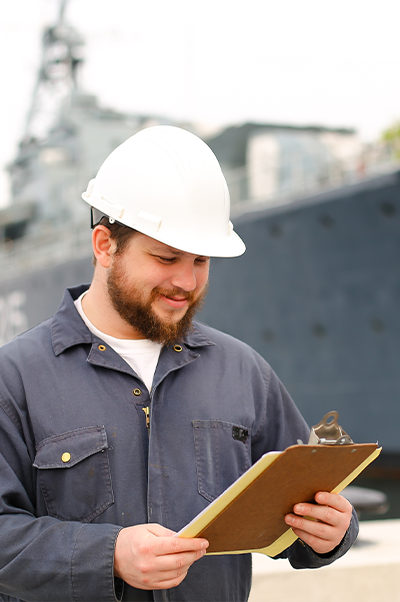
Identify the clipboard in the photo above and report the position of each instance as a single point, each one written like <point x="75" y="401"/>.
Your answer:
<point x="249" y="515"/>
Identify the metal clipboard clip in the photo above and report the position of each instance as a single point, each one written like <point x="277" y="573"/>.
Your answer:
<point x="329" y="432"/>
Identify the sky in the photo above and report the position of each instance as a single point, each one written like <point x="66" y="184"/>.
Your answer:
<point x="217" y="62"/>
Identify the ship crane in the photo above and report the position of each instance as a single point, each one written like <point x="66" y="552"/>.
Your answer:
<point x="57" y="76"/>
<point x="47" y="138"/>
<point x="67" y="135"/>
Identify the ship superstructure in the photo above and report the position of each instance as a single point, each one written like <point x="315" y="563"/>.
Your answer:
<point x="67" y="136"/>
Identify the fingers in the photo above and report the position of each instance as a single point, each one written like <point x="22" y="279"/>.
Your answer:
<point x="162" y="546"/>
<point x="165" y="561"/>
<point x="168" y="570"/>
<point x="323" y="525"/>
<point x="333" y="500"/>
<point x="330" y="508"/>
<point x="149" y="557"/>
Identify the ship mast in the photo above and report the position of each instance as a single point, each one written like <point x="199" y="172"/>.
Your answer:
<point x="57" y="76"/>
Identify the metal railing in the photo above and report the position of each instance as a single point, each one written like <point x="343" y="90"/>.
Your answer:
<point x="44" y="249"/>
<point x="301" y="183"/>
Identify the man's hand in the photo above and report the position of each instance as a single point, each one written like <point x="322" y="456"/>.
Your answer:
<point x="330" y="519"/>
<point x="149" y="557"/>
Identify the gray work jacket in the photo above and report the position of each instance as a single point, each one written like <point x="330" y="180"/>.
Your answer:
<point x="77" y="463"/>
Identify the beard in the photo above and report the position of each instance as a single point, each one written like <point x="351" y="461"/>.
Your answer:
<point x="128" y="302"/>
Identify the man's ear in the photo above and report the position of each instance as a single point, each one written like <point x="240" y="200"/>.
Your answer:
<point x="103" y="245"/>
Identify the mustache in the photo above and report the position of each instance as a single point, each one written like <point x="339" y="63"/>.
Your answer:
<point x="174" y="292"/>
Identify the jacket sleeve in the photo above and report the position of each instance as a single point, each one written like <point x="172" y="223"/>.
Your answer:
<point x="43" y="558"/>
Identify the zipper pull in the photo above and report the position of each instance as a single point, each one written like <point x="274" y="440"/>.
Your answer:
<point x="146" y="411"/>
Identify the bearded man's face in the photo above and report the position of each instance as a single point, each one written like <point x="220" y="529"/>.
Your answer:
<point x="157" y="289"/>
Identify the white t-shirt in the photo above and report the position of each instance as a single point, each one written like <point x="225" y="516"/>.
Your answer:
<point x="141" y="354"/>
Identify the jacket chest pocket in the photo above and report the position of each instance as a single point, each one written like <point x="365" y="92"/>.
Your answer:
<point x="74" y="474"/>
<point x="222" y="454"/>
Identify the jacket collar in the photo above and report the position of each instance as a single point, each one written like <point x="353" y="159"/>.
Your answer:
<point x="68" y="328"/>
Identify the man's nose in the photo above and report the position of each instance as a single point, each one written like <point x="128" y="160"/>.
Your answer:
<point x="184" y="278"/>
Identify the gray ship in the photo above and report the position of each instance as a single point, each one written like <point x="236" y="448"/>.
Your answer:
<point x="317" y="292"/>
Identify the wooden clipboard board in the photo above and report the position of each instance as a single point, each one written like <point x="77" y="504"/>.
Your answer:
<point x="249" y="515"/>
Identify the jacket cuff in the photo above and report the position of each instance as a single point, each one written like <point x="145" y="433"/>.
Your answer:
<point x="92" y="564"/>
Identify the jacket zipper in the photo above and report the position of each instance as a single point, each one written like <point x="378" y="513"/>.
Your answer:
<point x="146" y="411"/>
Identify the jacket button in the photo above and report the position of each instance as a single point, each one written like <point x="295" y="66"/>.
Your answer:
<point x="66" y="457"/>
<point x="136" y="392"/>
<point x="102" y="347"/>
<point x="178" y="348"/>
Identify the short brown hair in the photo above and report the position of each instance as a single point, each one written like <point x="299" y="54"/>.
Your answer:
<point x="119" y="233"/>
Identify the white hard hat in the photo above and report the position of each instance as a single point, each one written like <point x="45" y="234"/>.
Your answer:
<point x="167" y="183"/>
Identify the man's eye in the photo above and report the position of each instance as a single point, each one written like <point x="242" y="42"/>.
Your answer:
<point x="167" y="259"/>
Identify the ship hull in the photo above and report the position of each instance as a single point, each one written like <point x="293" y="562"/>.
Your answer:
<point x="317" y="293"/>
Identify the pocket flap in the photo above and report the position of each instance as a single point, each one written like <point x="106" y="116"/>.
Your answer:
<point x="67" y="449"/>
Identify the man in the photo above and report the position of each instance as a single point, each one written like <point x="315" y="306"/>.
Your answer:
<point x="121" y="418"/>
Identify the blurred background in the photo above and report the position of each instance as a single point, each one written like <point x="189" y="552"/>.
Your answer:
<point x="301" y="104"/>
